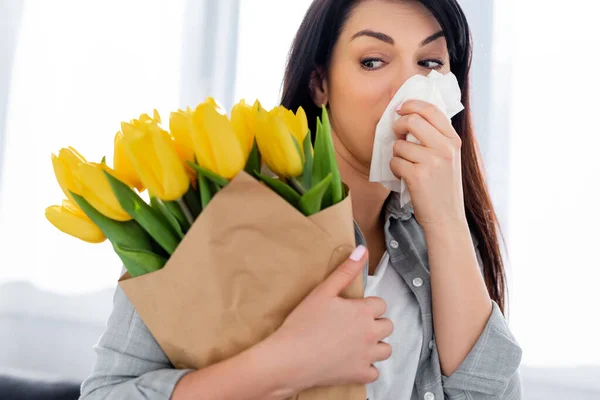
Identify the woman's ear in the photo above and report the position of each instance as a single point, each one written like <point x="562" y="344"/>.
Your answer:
<point x="318" y="87"/>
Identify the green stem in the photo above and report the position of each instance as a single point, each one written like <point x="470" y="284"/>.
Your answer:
<point x="186" y="211"/>
<point x="295" y="183"/>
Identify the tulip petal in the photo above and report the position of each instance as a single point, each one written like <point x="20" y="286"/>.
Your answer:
<point x="180" y="125"/>
<point x="243" y="125"/>
<point x="123" y="167"/>
<point x="73" y="222"/>
<point x="175" y="181"/>
<point x="97" y="191"/>
<point x="302" y="123"/>
<point x="229" y="157"/>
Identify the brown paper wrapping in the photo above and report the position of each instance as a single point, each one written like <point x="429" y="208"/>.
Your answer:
<point x="245" y="264"/>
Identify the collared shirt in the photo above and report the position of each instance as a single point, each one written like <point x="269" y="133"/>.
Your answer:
<point x="131" y="365"/>
<point x="397" y="373"/>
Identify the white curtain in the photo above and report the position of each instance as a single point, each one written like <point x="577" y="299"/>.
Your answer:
<point x="10" y="17"/>
<point x="209" y="52"/>
<point x="554" y="194"/>
<point x="80" y="68"/>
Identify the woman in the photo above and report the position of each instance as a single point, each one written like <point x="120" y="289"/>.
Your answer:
<point x="434" y="267"/>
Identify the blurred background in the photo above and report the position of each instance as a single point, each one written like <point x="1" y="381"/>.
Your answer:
<point x="70" y="71"/>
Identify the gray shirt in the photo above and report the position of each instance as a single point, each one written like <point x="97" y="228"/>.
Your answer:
<point x="131" y="365"/>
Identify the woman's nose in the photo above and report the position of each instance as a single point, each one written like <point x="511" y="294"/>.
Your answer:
<point x="404" y="73"/>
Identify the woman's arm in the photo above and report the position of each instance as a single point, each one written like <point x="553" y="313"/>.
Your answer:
<point x="478" y="353"/>
<point x="324" y="341"/>
<point x="461" y="304"/>
<point x="258" y="372"/>
<point x="475" y="346"/>
<point x="131" y="365"/>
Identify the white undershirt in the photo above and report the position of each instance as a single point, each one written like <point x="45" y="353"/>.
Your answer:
<point x="397" y="373"/>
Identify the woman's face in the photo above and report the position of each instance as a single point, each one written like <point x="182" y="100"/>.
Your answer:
<point x="382" y="44"/>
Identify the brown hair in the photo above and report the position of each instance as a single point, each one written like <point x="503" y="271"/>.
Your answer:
<point x="312" y="48"/>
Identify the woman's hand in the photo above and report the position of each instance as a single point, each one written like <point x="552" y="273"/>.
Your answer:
<point x="330" y="340"/>
<point x="432" y="169"/>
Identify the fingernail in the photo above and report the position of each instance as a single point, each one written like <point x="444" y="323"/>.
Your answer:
<point x="400" y="107"/>
<point x="358" y="253"/>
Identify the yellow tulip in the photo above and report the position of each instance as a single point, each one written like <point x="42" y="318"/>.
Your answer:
<point x="276" y="145"/>
<point x="94" y="187"/>
<point x="216" y="146"/>
<point x="146" y="118"/>
<point x="153" y="155"/>
<point x="180" y="125"/>
<point x="242" y="120"/>
<point x="296" y="123"/>
<point x="124" y="169"/>
<point x="64" y="165"/>
<point x="216" y="105"/>
<point x="69" y="219"/>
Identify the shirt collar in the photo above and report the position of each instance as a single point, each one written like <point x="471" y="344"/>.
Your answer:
<point x="393" y="208"/>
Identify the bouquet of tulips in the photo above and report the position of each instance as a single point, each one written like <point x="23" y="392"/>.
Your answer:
<point x="241" y="218"/>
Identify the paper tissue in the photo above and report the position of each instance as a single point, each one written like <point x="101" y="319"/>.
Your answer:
<point x="438" y="89"/>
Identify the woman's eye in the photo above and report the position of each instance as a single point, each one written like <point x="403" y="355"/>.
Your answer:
<point x="432" y="64"/>
<point x="371" y="63"/>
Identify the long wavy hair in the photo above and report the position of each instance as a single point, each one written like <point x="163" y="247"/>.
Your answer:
<point x="312" y="49"/>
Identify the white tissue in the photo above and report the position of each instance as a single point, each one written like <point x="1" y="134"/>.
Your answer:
<point x="440" y="90"/>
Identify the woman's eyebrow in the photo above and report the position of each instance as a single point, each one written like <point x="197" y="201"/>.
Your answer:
<point x="389" y="40"/>
<point x="377" y="35"/>
<point x="432" y="38"/>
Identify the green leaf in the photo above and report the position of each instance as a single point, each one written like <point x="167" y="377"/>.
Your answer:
<point x="320" y="161"/>
<point x="128" y="233"/>
<point x="139" y="262"/>
<point x="159" y="206"/>
<point x="121" y="234"/>
<point x="281" y="188"/>
<point x="192" y="199"/>
<point x="253" y="163"/>
<point x="175" y="210"/>
<point x="306" y="177"/>
<point x="311" y="202"/>
<point x="151" y="220"/>
<point x="209" y="175"/>
<point x="206" y="191"/>
<point x="336" y="183"/>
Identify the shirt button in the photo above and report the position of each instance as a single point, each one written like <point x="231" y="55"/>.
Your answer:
<point x="418" y="282"/>
<point x="394" y="244"/>
<point x="430" y="344"/>
<point x="429" y="396"/>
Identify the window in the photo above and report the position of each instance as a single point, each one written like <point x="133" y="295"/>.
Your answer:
<point x="80" y="69"/>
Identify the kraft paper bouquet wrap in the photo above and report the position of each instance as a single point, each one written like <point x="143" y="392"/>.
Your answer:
<point x="223" y="223"/>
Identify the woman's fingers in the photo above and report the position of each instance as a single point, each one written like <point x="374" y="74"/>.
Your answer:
<point x="420" y="129"/>
<point x="382" y="351"/>
<point x="383" y="328"/>
<point x="412" y="152"/>
<point x="431" y="114"/>
<point x="376" y="306"/>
